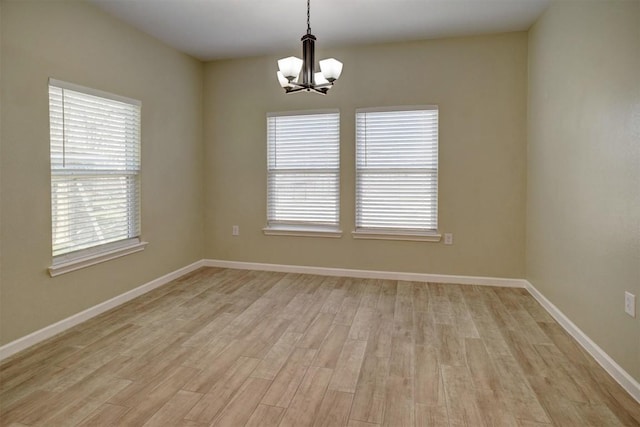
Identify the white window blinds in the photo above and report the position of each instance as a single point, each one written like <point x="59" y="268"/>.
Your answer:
<point x="95" y="166"/>
<point x="303" y="169"/>
<point x="397" y="169"/>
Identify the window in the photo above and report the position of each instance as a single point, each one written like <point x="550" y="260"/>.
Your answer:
<point x="95" y="167"/>
<point x="397" y="173"/>
<point x="303" y="173"/>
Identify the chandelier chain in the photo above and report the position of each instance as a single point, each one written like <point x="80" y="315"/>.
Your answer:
<point x="308" y="17"/>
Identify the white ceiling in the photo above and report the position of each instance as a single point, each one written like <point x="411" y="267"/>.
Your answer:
<point x="215" y="29"/>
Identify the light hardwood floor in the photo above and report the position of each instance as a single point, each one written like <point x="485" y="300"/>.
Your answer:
<point x="245" y="348"/>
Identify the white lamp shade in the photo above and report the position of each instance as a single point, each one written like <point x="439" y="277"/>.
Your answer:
<point x="290" y="67"/>
<point x="282" y="80"/>
<point x="331" y="69"/>
<point x="319" y="79"/>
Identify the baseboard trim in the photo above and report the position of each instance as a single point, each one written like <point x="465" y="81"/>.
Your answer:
<point x="616" y="371"/>
<point x="38" y="336"/>
<point x="369" y="274"/>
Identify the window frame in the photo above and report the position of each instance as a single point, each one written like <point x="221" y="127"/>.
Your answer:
<point x="295" y="228"/>
<point x="75" y="259"/>
<point x="381" y="233"/>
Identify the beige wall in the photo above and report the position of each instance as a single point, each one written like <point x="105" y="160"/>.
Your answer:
<point x="479" y="84"/>
<point x="75" y="42"/>
<point x="583" y="195"/>
<point x="580" y="170"/>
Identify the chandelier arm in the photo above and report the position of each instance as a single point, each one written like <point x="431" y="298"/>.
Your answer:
<point x="296" y="86"/>
<point x="321" y="91"/>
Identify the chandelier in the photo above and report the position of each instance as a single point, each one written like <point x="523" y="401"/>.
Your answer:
<point x="290" y="68"/>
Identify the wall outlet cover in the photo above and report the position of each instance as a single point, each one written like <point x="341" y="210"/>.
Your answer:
<point x="630" y="304"/>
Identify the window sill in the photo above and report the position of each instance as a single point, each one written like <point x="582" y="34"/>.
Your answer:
<point x="396" y="235"/>
<point x="302" y="231"/>
<point x="76" y="264"/>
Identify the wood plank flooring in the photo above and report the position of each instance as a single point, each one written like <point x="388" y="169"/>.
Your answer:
<point x="226" y="347"/>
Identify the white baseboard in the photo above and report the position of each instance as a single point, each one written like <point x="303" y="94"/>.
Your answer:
<point x="38" y="336"/>
<point x="369" y="274"/>
<point x="616" y="371"/>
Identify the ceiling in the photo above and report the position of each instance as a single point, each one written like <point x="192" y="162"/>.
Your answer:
<point x="216" y="29"/>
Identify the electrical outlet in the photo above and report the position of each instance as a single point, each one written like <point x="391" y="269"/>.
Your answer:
<point x="630" y="304"/>
<point x="448" y="238"/>
<point x="235" y="230"/>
